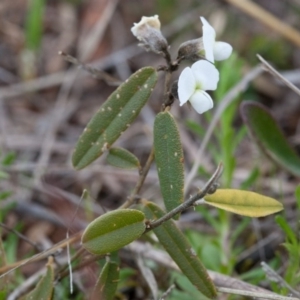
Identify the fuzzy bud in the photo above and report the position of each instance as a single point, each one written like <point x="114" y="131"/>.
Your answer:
<point x="147" y="31"/>
<point x="192" y="50"/>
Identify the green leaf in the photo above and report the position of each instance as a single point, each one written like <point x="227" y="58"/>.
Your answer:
<point x="180" y="250"/>
<point x="122" y="158"/>
<point x="34" y="24"/>
<point x="113" y="230"/>
<point x="114" y="117"/>
<point x="169" y="160"/>
<point x="289" y="232"/>
<point x="269" y="136"/>
<point x="44" y="288"/>
<point x="4" y="175"/>
<point x="243" y="202"/>
<point x="107" y="283"/>
<point x="9" y="158"/>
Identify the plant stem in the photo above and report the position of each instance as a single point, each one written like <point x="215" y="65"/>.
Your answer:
<point x="190" y="201"/>
<point x="141" y="180"/>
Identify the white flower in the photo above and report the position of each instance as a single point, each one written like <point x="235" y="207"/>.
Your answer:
<point x="194" y="81"/>
<point x="148" y="32"/>
<point x="213" y="50"/>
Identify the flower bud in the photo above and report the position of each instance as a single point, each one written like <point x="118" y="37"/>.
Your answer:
<point x="192" y="50"/>
<point x="148" y="32"/>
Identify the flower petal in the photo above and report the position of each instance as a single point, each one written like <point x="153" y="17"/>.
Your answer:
<point x="201" y="102"/>
<point x="222" y="50"/>
<point x="186" y="85"/>
<point x="209" y="37"/>
<point x="206" y="74"/>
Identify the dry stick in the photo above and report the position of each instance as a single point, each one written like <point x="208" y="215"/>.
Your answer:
<point x="163" y="259"/>
<point x="190" y="201"/>
<point x="64" y="268"/>
<point x="226" y="101"/>
<point x="25" y="285"/>
<point x="273" y="276"/>
<point x="88" y="43"/>
<point x="253" y="294"/>
<point x="21" y="236"/>
<point x="9" y="268"/>
<point x="271" y="70"/>
<point x="56" y="78"/>
<point x="83" y="264"/>
<point x="96" y="73"/>
<point x="268" y="19"/>
<point x="57" y="118"/>
<point x="109" y="61"/>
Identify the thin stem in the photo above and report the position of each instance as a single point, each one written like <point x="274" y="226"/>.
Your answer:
<point x="96" y="73"/>
<point x="141" y="180"/>
<point x="253" y="294"/>
<point x="21" y="236"/>
<point x="88" y="261"/>
<point x="65" y="266"/>
<point x="190" y="201"/>
<point x="52" y="251"/>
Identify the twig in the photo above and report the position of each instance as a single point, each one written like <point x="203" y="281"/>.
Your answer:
<point x="190" y="201"/>
<point x="52" y="251"/>
<point x="89" y="42"/>
<point x="26" y="284"/>
<point x="226" y="101"/>
<point x="253" y="294"/>
<point x="163" y="259"/>
<point x="273" y="276"/>
<point x="268" y="19"/>
<point x="96" y="73"/>
<point x="111" y="60"/>
<point x="21" y="236"/>
<point x="141" y="180"/>
<point x="56" y="119"/>
<point x="167" y="292"/>
<point x="271" y="70"/>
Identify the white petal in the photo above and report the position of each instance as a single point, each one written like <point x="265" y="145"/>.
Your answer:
<point x="222" y="50"/>
<point x="201" y="102"/>
<point x="186" y="85"/>
<point x="209" y="37"/>
<point x="206" y="74"/>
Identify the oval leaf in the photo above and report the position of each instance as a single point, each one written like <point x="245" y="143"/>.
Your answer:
<point x="244" y="203"/>
<point x="122" y="158"/>
<point x="107" y="283"/>
<point x="169" y="160"/>
<point x="113" y="230"/>
<point x="268" y="135"/>
<point x="44" y="288"/>
<point x="180" y="250"/>
<point x="114" y="117"/>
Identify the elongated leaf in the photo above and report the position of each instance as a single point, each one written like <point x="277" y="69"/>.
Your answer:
<point x="269" y="136"/>
<point x="169" y="160"/>
<point x="113" y="230"/>
<point x="243" y="202"/>
<point x="44" y="288"/>
<point x="114" y="117"/>
<point x="122" y="158"/>
<point x="180" y="250"/>
<point x="107" y="283"/>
